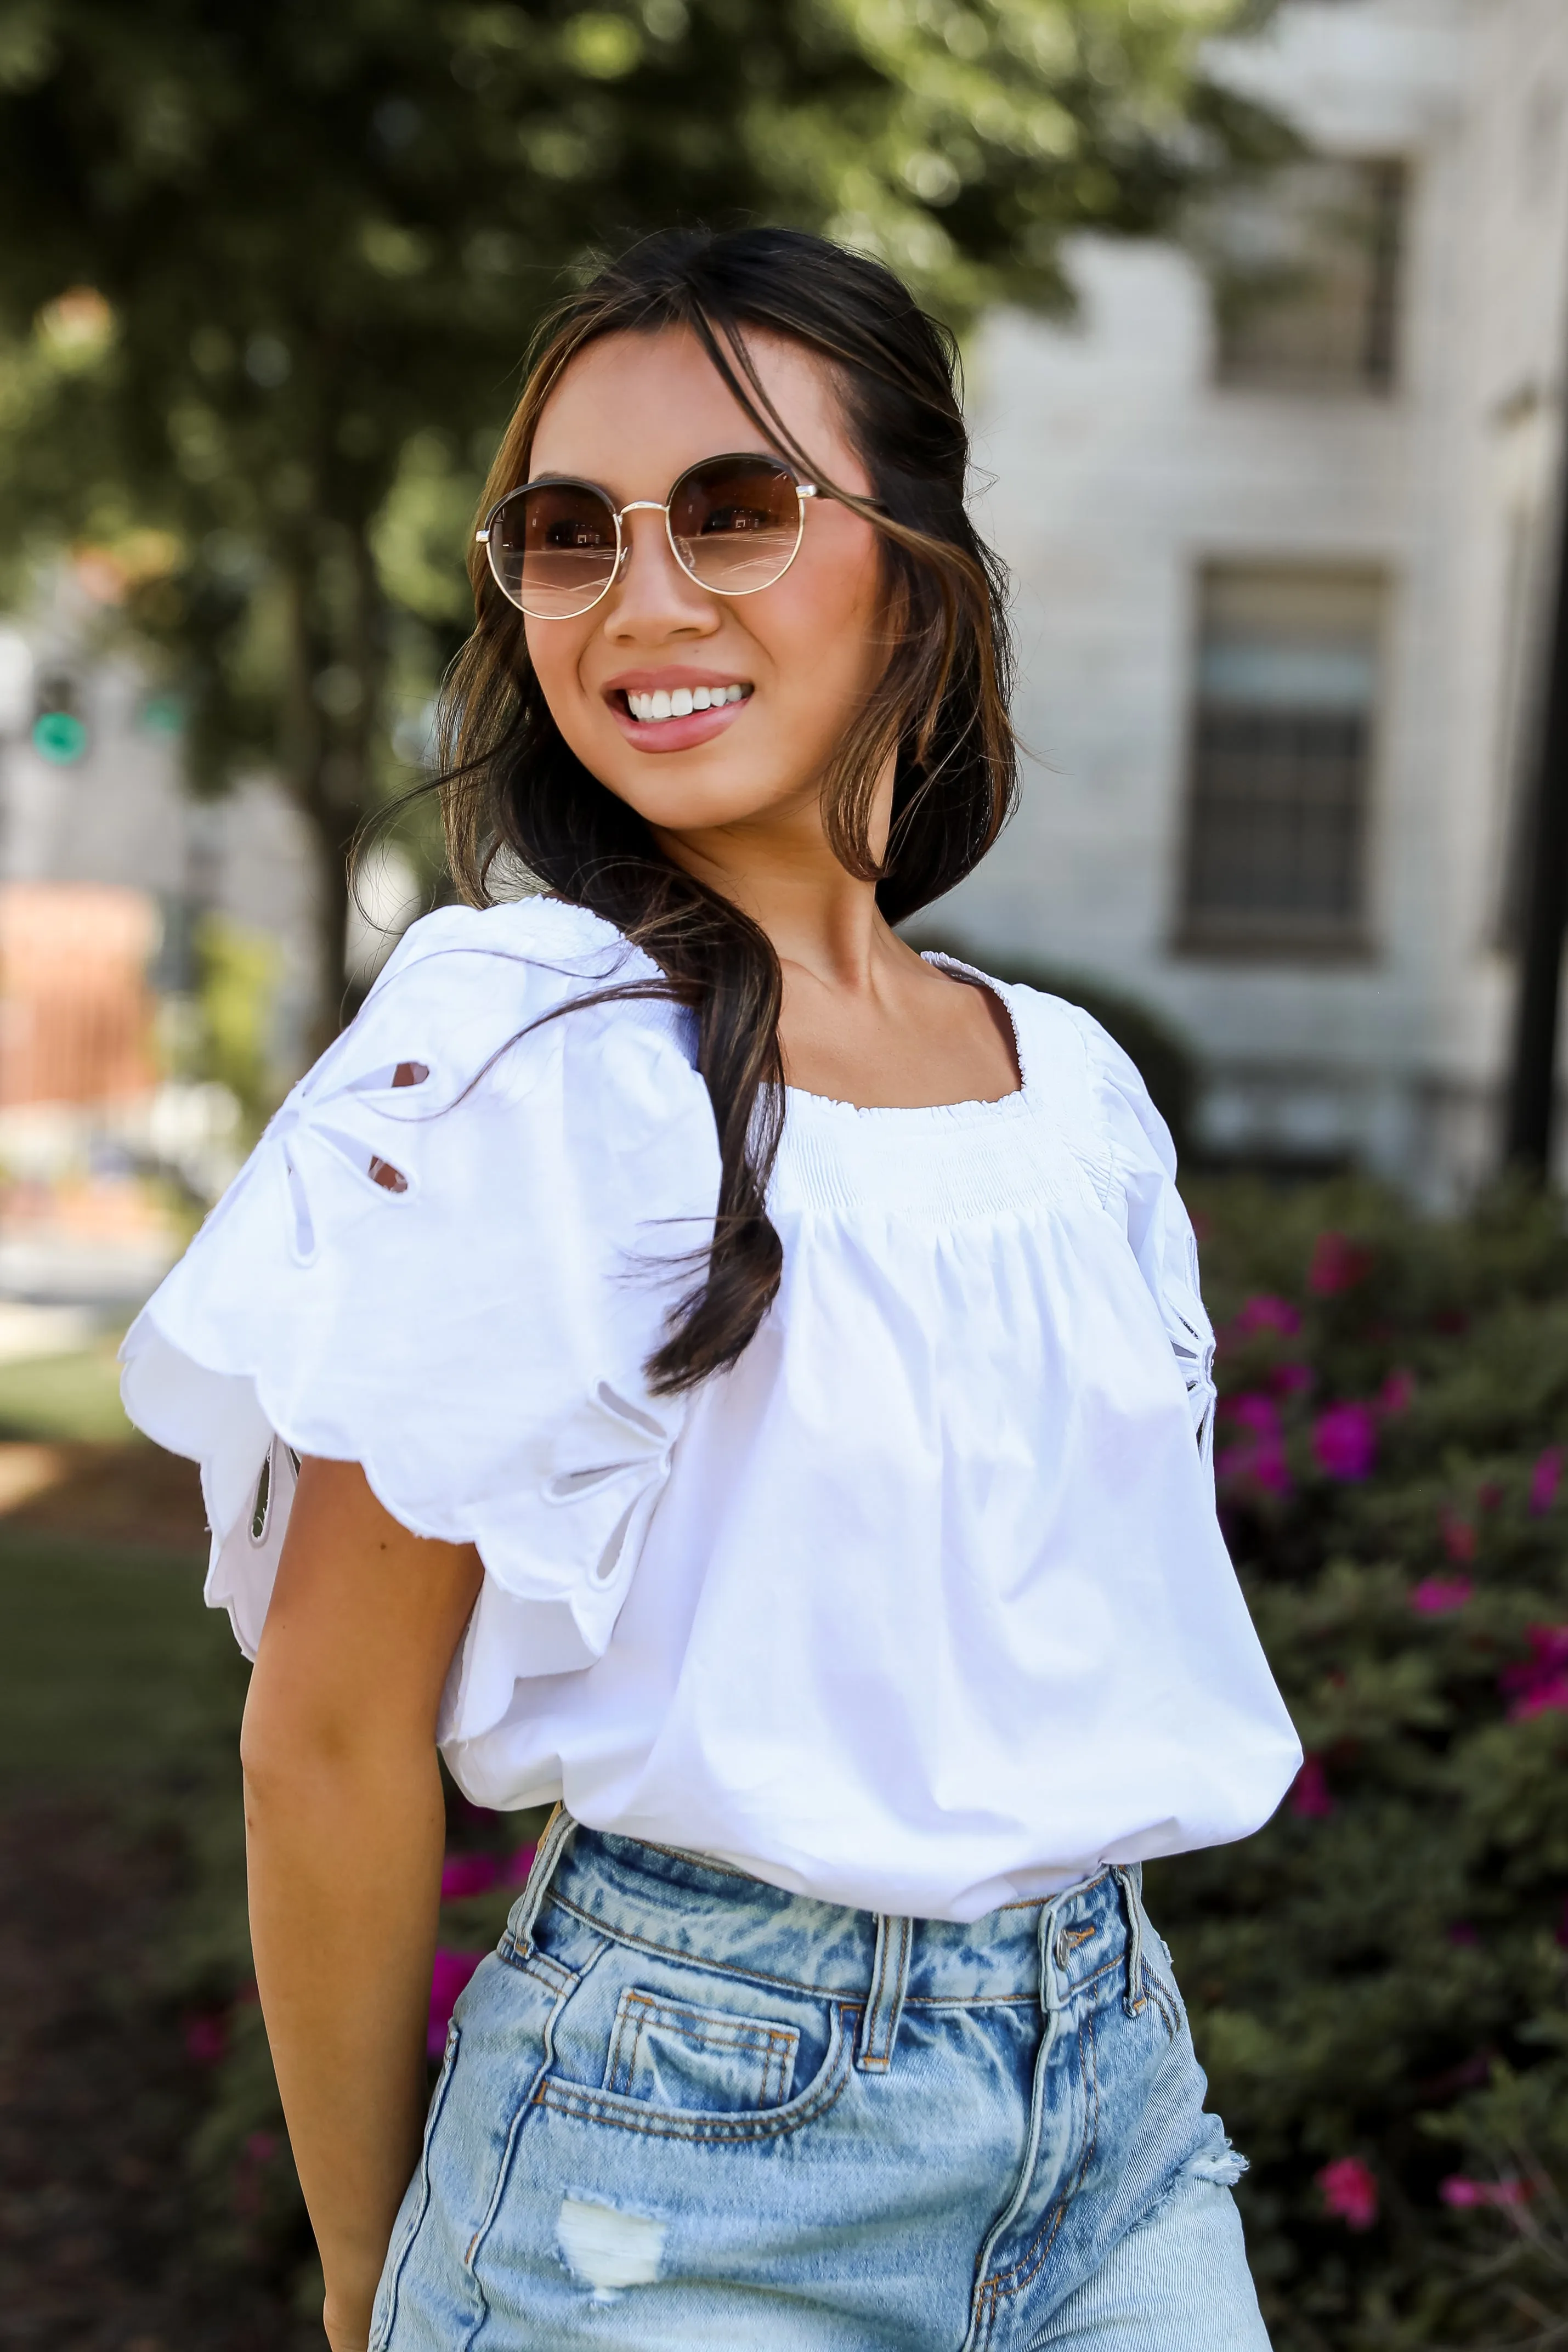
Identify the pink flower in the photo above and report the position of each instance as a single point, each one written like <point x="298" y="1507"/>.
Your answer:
<point x="467" y="1873"/>
<point x="206" y="2038"/>
<point x="1349" y="2192"/>
<point x="1289" y="1379"/>
<point x="1544" y="1480"/>
<point x="1438" y="1596"/>
<point x="1489" y="1495"/>
<point x="1264" y="1312"/>
<point x="474" y="1874"/>
<point x="1462" y="1932"/>
<point x="1458" y="1536"/>
<point x="1344" y="1441"/>
<point x="1459" y="2191"/>
<point x="1259" y="1456"/>
<point x="1539" y="1686"/>
<point x="451" y="1973"/>
<point x="1310" y="1793"/>
<point x="1338" y="1265"/>
<point x="1395" y="1394"/>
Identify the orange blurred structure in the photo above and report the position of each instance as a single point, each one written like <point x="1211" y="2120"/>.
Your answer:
<point x="76" y="1012"/>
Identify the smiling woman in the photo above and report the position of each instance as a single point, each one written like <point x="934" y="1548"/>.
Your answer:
<point x="700" y="1362"/>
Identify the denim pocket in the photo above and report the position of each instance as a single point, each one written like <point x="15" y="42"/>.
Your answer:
<point x="676" y="2055"/>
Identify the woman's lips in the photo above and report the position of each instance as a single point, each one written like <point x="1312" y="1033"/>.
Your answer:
<point x="675" y="734"/>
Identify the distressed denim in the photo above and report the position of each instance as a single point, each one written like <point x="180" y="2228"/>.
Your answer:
<point x="681" y="2108"/>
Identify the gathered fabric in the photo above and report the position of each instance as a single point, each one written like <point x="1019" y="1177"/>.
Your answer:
<point x="924" y="1608"/>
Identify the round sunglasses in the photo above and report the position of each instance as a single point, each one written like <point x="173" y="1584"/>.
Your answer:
<point x="735" y="525"/>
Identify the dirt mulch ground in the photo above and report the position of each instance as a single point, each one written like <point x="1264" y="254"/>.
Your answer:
<point x="98" y="2098"/>
<point x="133" y="1494"/>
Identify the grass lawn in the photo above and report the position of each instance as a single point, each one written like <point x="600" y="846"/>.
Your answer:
<point x="110" y="1669"/>
<point x="69" y="1396"/>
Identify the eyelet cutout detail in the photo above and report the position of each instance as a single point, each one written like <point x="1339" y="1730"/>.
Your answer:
<point x="262" y="1504"/>
<point x="390" y="1075"/>
<point x="383" y="1172"/>
<point x="304" y="1225"/>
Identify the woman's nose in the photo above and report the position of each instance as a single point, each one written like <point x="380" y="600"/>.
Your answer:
<point x="653" y="590"/>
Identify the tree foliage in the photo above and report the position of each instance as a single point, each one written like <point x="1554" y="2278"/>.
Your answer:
<point x="267" y="270"/>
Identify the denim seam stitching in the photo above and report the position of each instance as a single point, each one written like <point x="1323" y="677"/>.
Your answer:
<point x="1019" y="2275"/>
<point x="502" y="2170"/>
<point x="752" y="2036"/>
<point x="552" y="1973"/>
<point x="794" y="1984"/>
<point x="588" y="2107"/>
<point x="383" y="2335"/>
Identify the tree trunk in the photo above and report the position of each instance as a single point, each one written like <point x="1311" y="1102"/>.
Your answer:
<point x="330" y="754"/>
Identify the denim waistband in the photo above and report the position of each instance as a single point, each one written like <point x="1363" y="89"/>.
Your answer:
<point x="703" y="1912"/>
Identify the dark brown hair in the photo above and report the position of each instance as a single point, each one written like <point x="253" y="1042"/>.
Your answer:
<point x="510" y="785"/>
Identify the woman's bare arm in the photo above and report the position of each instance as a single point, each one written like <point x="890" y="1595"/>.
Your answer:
<point x="344" y="1834"/>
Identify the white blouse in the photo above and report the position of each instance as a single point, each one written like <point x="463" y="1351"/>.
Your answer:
<point x="924" y="1606"/>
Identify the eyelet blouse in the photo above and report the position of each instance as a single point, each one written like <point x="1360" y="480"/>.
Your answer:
<point x="924" y="1606"/>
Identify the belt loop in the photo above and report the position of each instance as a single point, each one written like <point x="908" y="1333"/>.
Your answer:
<point x="1129" y="1876"/>
<point x="885" y="2000"/>
<point x="559" y="1832"/>
<point x="1050" y="1991"/>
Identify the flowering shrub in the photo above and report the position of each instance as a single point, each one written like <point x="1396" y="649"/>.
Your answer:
<point x="1376" y="1982"/>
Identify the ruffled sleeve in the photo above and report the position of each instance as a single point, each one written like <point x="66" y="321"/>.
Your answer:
<point x="1142" y="1181"/>
<point x="448" y="1260"/>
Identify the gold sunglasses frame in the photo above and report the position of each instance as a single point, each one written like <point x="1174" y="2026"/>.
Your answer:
<point x="803" y="490"/>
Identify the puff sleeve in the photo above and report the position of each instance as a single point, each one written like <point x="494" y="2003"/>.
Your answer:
<point x="1159" y="1230"/>
<point x="448" y="1259"/>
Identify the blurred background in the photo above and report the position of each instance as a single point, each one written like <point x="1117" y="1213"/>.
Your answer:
<point x="1264" y="313"/>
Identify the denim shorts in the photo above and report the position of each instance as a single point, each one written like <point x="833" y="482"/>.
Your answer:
<point x="682" y="2108"/>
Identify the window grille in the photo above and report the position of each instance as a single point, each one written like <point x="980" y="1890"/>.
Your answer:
<point x="1306" y="268"/>
<point x="1282" y="753"/>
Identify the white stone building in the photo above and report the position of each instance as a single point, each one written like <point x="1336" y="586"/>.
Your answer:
<point x="1282" y="530"/>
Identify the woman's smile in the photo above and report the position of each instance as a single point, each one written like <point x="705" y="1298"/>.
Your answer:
<point x="674" y="708"/>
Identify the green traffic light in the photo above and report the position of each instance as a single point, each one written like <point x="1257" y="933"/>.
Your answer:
<point x="59" y="737"/>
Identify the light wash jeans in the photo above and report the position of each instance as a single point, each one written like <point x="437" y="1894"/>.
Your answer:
<point x="680" y="2107"/>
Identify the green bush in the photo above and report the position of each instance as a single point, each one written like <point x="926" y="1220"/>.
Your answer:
<point x="1376" y="1982"/>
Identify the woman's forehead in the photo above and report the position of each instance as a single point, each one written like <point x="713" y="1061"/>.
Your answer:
<point x="635" y="409"/>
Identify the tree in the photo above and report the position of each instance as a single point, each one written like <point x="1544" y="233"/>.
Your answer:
<point x="267" y="270"/>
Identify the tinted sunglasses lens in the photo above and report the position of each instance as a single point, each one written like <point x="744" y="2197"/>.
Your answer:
<point x="552" y="548"/>
<point x="735" y="523"/>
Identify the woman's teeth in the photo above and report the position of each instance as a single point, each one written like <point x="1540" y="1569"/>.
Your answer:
<point x="683" y="700"/>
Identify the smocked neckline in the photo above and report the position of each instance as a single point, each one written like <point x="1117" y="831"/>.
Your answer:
<point x="975" y="1111"/>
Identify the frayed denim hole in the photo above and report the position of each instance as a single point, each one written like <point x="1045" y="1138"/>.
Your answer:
<point x="607" y="2249"/>
<point x="1224" y="2169"/>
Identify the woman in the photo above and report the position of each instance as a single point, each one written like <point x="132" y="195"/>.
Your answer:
<point x="748" y="1381"/>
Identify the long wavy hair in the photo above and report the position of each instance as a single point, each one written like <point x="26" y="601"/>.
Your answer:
<point x="512" y="790"/>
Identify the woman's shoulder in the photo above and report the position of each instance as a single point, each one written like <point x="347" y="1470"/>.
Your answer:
<point x="525" y="981"/>
<point x="546" y="939"/>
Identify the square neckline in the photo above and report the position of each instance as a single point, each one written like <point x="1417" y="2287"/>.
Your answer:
<point x="970" y="1107"/>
